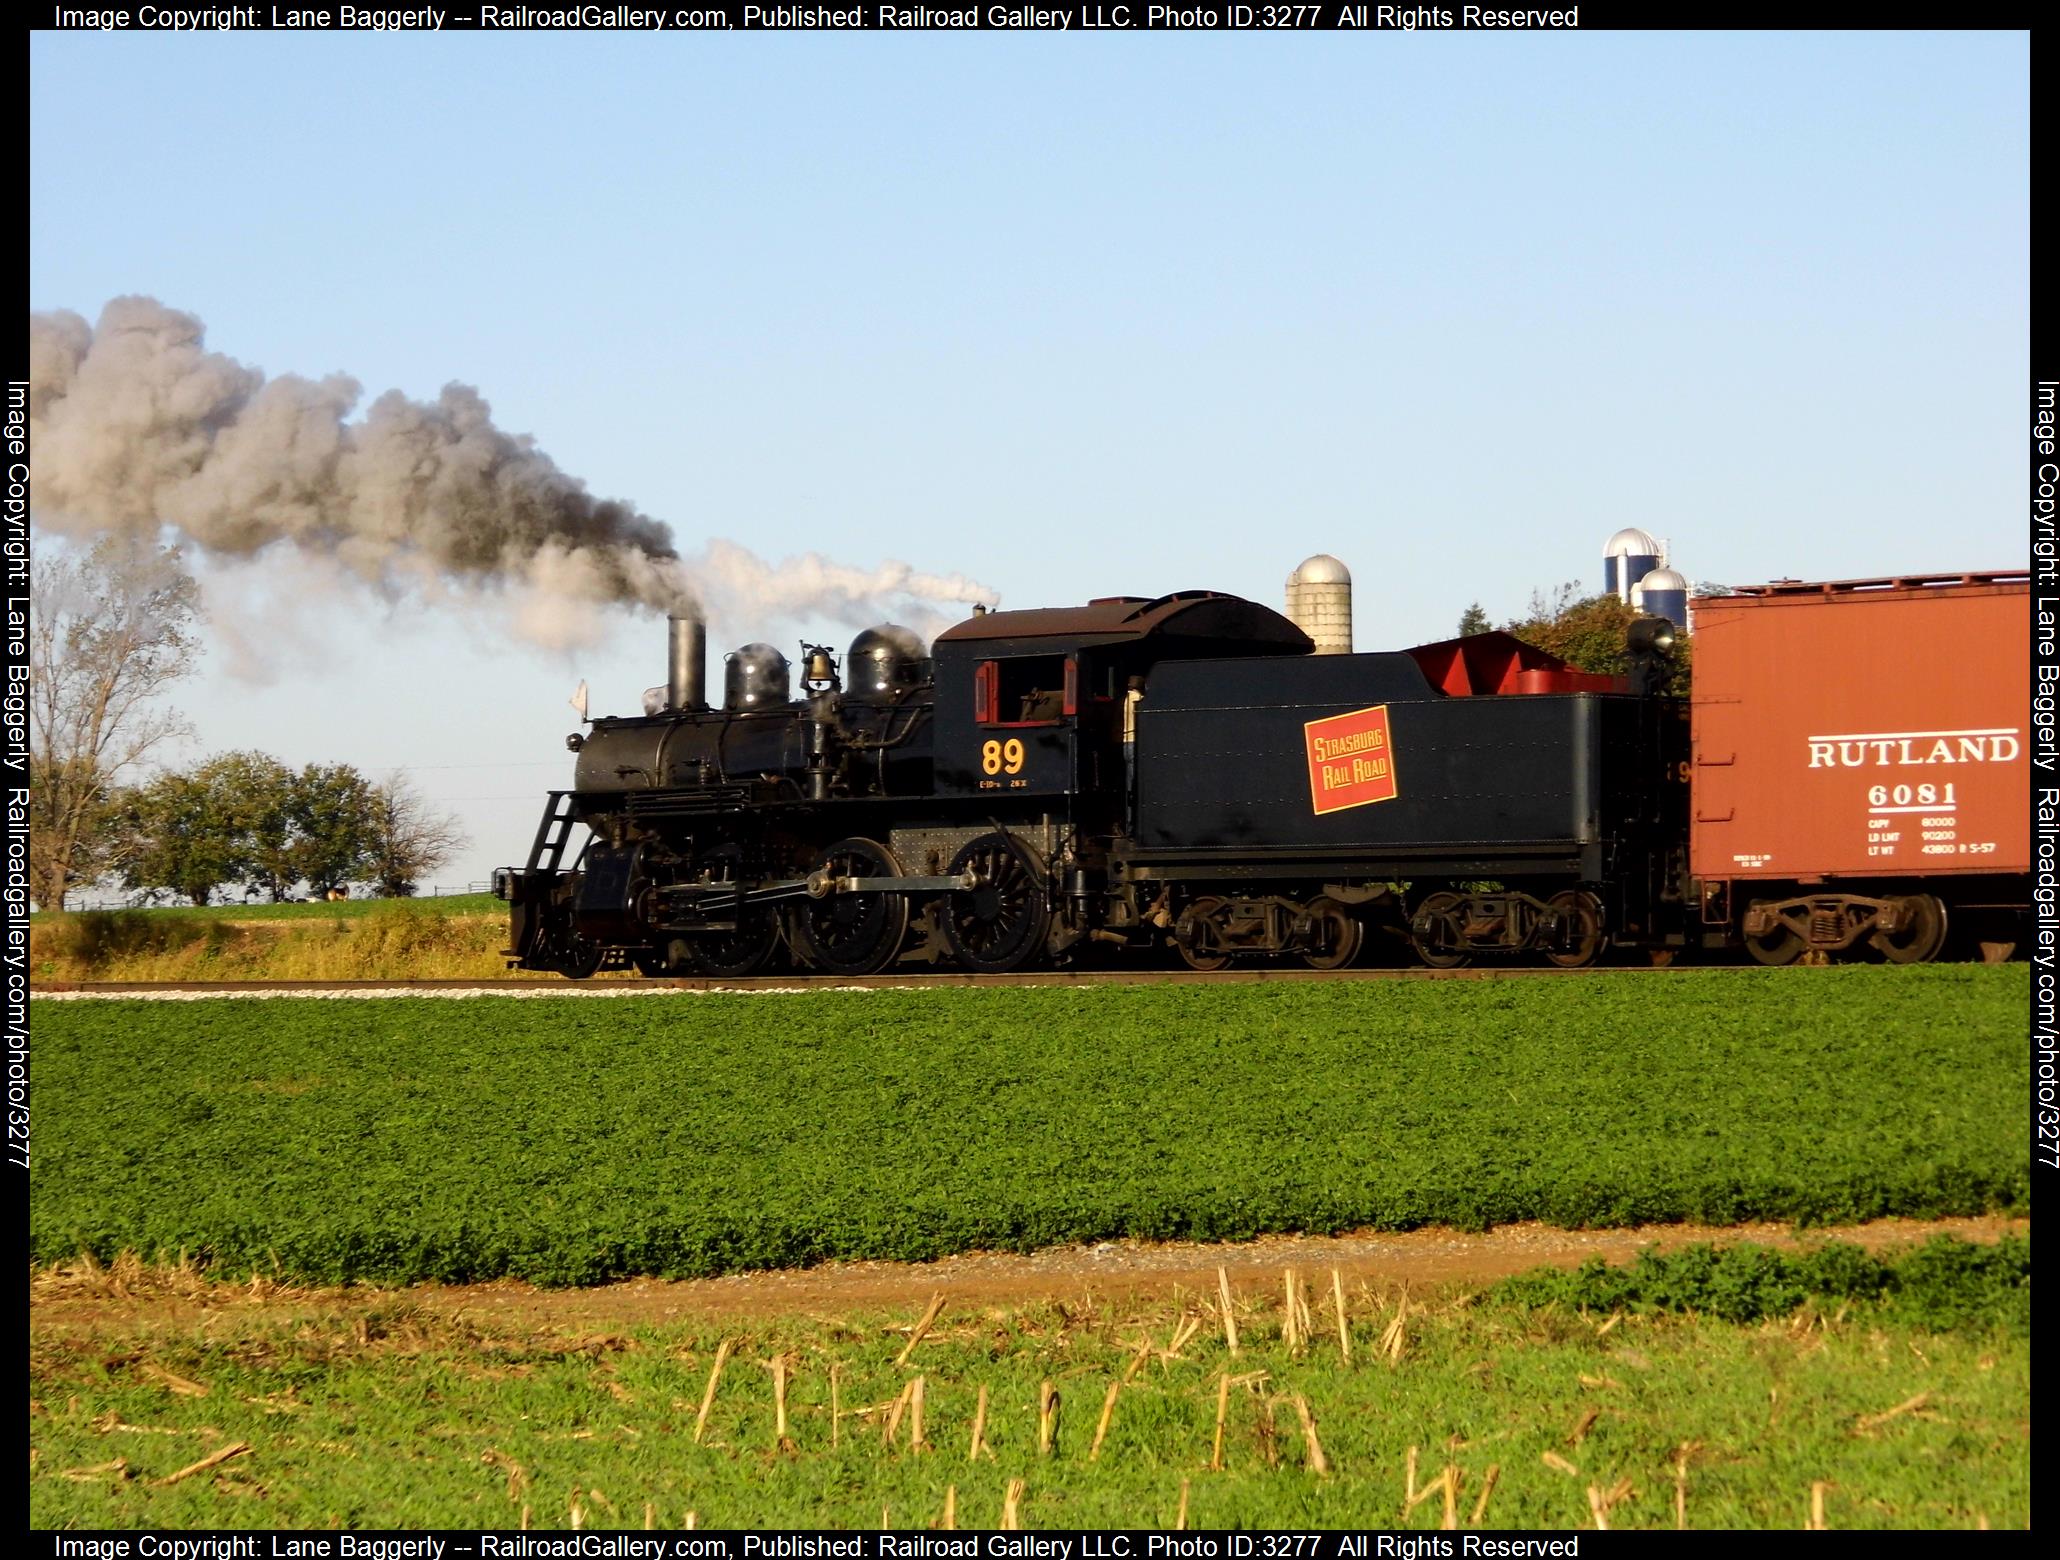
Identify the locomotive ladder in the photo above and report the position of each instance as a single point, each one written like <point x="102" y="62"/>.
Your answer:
<point x="551" y="834"/>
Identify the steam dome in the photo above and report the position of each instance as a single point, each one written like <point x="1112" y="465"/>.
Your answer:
<point x="755" y="677"/>
<point x="882" y="661"/>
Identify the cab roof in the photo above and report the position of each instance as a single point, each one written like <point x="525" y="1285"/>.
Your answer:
<point x="1107" y="620"/>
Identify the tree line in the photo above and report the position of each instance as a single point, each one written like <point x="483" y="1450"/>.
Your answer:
<point x="110" y="631"/>
<point x="246" y="818"/>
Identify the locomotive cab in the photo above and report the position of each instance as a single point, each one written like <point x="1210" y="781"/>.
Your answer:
<point x="1031" y="704"/>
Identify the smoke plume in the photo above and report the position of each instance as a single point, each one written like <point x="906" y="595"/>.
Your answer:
<point x="136" y="425"/>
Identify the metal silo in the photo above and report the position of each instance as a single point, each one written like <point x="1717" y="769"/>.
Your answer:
<point x="1662" y="593"/>
<point x="1319" y="603"/>
<point x="1630" y="555"/>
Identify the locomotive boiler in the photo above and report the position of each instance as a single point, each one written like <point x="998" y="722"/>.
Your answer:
<point x="1177" y="772"/>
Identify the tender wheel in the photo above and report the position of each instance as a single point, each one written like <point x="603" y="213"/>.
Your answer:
<point x="1194" y="922"/>
<point x="1001" y="925"/>
<point x="1922" y="936"/>
<point x="1584" y="939"/>
<point x="1438" y="931"/>
<point x="853" y="934"/>
<point x="1336" y="935"/>
<point x="734" y="954"/>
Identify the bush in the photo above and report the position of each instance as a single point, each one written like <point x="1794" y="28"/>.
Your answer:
<point x="1944" y="1284"/>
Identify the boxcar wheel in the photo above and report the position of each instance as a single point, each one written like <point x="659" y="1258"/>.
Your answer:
<point x="1776" y="948"/>
<point x="853" y="934"/>
<point x="1921" y="938"/>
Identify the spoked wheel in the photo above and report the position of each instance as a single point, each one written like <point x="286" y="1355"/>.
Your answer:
<point x="1336" y="935"/>
<point x="1922" y="935"/>
<point x="1001" y="925"/>
<point x="1194" y="924"/>
<point x="1438" y="931"/>
<point x="853" y="934"/>
<point x="561" y="947"/>
<point x="1583" y="940"/>
<point x="746" y="949"/>
<point x="578" y="958"/>
<point x="1780" y="946"/>
<point x="652" y="963"/>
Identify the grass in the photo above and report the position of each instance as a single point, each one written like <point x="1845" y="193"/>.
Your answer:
<point x="299" y="910"/>
<point x="384" y="1411"/>
<point x="576" y="1141"/>
<point x="458" y="937"/>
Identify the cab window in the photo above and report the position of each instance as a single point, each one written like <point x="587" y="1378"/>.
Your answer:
<point x="1031" y="690"/>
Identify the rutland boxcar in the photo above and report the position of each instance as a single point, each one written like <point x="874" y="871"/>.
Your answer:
<point x="1862" y="771"/>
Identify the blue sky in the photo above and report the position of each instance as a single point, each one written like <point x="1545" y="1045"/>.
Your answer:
<point x="1077" y="315"/>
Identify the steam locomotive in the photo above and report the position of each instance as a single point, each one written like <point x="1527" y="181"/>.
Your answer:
<point x="1177" y="772"/>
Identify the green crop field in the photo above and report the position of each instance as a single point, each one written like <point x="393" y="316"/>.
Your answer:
<point x="1848" y="1391"/>
<point x="571" y="1141"/>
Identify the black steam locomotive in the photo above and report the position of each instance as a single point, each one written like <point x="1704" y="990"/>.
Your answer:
<point x="1133" y="773"/>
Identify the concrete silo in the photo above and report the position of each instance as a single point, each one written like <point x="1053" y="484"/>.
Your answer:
<point x="1319" y="603"/>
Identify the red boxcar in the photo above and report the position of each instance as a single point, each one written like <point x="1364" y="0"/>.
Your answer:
<point x="1862" y="769"/>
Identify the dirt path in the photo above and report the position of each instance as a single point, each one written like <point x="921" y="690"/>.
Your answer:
<point x="119" y="1302"/>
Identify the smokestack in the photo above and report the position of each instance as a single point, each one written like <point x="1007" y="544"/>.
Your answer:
<point x="686" y="667"/>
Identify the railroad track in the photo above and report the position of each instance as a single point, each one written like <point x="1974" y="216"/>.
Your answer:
<point x="549" y="986"/>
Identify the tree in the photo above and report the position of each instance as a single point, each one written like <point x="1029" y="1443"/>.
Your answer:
<point x="183" y="836"/>
<point x="1473" y="621"/>
<point x="256" y="797"/>
<point x="109" y="631"/>
<point x="247" y="818"/>
<point x="1587" y="632"/>
<point x="409" y="839"/>
<point x="335" y="813"/>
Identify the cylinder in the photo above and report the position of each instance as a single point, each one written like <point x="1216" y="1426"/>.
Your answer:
<point x="686" y="666"/>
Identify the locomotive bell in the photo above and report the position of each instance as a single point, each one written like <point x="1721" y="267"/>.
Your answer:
<point x="755" y="677"/>
<point x="819" y="667"/>
<point x="882" y="660"/>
